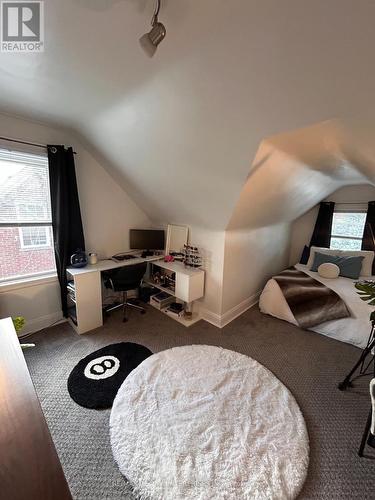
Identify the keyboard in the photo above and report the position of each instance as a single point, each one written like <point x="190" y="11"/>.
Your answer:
<point x="120" y="258"/>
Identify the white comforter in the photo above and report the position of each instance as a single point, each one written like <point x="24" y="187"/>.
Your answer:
<point x="354" y="330"/>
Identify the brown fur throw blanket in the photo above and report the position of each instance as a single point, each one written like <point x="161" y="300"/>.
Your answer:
<point x="310" y="301"/>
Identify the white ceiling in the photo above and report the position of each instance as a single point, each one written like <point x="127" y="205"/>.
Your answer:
<point x="180" y="131"/>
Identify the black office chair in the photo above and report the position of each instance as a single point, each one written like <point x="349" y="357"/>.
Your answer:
<point x="122" y="280"/>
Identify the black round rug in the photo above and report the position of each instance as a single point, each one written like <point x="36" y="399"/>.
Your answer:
<point x="95" y="380"/>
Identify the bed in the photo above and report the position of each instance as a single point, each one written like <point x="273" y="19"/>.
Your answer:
<point x="354" y="330"/>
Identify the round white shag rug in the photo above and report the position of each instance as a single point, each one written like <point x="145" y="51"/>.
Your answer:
<point x="202" y="422"/>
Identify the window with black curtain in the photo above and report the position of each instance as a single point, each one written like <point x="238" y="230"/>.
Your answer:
<point x="347" y="230"/>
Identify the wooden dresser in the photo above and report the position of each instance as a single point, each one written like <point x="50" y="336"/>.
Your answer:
<point x="29" y="466"/>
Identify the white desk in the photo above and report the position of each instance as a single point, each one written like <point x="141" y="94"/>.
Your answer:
<point x="88" y="287"/>
<point x="108" y="264"/>
<point x="88" y="290"/>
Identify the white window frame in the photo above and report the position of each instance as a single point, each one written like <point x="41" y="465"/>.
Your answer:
<point x="36" y="278"/>
<point x="25" y="246"/>
<point x="347" y="211"/>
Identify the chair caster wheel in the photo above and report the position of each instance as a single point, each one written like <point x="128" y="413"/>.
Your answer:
<point x="344" y="385"/>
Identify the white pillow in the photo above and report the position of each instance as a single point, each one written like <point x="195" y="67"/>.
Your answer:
<point x="366" y="269"/>
<point x="328" y="270"/>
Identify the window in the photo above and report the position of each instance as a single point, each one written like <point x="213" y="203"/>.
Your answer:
<point x="347" y="230"/>
<point x="35" y="237"/>
<point x="26" y="241"/>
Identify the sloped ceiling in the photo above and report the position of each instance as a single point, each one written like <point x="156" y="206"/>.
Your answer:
<point x="293" y="171"/>
<point x="180" y="131"/>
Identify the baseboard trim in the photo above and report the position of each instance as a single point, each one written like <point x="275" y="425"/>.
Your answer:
<point x="36" y="324"/>
<point x="239" y="309"/>
<point x="210" y="317"/>
<point x="222" y="320"/>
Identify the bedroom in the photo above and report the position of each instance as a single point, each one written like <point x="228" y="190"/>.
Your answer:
<point x="241" y="157"/>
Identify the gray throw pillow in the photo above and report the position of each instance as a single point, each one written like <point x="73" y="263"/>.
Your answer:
<point x="350" y="267"/>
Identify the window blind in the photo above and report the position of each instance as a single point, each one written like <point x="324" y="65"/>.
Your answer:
<point x="24" y="188"/>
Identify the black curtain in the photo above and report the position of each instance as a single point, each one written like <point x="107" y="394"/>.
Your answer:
<point x="321" y="236"/>
<point x="66" y="215"/>
<point x="368" y="241"/>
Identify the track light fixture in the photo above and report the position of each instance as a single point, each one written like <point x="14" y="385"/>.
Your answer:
<point x="149" y="41"/>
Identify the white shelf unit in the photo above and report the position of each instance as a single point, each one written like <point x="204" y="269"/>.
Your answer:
<point x="189" y="286"/>
<point x="186" y="322"/>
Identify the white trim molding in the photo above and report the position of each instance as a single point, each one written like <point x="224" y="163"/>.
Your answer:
<point x="224" y="319"/>
<point x="25" y="282"/>
<point x="36" y="324"/>
<point x="239" y="309"/>
<point x="210" y="317"/>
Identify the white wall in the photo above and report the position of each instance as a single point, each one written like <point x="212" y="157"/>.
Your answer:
<point x="107" y="213"/>
<point x="39" y="304"/>
<point x="211" y="246"/>
<point x="237" y="263"/>
<point x="252" y="256"/>
<point x="302" y="228"/>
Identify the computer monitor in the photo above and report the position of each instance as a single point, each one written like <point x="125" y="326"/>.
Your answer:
<point x="146" y="239"/>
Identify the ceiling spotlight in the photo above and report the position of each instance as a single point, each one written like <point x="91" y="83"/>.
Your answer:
<point x="151" y="40"/>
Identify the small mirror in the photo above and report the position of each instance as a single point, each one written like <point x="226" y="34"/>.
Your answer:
<point x="177" y="237"/>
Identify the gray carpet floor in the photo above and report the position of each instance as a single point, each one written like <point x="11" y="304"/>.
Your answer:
<point x="310" y="365"/>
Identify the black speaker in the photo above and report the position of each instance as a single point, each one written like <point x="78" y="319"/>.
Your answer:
<point x="78" y="259"/>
